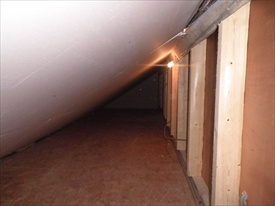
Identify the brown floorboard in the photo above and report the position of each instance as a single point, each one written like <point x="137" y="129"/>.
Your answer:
<point x="113" y="157"/>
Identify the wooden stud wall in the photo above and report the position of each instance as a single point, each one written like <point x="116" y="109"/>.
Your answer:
<point x="182" y="103"/>
<point x="174" y="100"/>
<point x="169" y="96"/>
<point x="165" y="94"/>
<point x="196" y="109"/>
<point x="231" y="69"/>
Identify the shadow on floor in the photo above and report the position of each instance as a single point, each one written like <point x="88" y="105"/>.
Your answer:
<point x="112" y="157"/>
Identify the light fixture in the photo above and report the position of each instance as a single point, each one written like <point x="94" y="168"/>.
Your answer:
<point x="170" y="64"/>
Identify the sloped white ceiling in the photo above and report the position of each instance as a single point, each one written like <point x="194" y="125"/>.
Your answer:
<point x="61" y="59"/>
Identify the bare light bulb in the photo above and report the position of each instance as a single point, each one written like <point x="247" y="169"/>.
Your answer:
<point x="170" y="64"/>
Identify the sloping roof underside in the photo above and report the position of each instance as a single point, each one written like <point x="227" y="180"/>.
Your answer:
<point x="61" y="59"/>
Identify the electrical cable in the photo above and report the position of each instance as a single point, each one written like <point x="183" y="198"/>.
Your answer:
<point x="244" y="197"/>
<point x="180" y="34"/>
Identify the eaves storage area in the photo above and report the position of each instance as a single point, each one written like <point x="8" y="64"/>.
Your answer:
<point x="201" y="132"/>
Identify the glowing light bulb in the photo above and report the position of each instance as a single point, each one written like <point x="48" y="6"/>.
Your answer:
<point x="170" y="64"/>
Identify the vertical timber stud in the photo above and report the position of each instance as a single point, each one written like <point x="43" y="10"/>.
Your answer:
<point x="231" y="70"/>
<point x="165" y="94"/>
<point x="160" y="88"/>
<point x="174" y="103"/>
<point x="169" y="96"/>
<point x="182" y="103"/>
<point x="196" y="109"/>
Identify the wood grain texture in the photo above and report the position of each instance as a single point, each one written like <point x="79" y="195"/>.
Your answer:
<point x="174" y="100"/>
<point x="165" y="94"/>
<point x="169" y="96"/>
<point x="183" y="103"/>
<point x="231" y="70"/>
<point x="196" y="109"/>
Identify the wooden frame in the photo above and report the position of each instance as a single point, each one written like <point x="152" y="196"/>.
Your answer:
<point x="174" y="100"/>
<point x="230" y="82"/>
<point x="231" y="70"/>
<point x="182" y="103"/>
<point x="196" y="109"/>
<point x="169" y="96"/>
<point x="165" y="94"/>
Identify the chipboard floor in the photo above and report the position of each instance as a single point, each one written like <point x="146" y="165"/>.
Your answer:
<point x="111" y="157"/>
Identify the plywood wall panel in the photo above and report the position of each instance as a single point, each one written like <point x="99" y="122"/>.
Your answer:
<point x="257" y="173"/>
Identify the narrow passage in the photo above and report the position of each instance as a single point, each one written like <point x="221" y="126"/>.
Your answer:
<point x="112" y="157"/>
